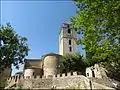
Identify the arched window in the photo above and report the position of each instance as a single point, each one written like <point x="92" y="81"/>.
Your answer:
<point x="69" y="31"/>
<point x="69" y="42"/>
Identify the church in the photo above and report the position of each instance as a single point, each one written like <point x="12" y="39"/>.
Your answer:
<point x="49" y="64"/>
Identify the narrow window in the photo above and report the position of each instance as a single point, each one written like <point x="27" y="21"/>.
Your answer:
<point x="70" y="49"/>
<point x="93" y="74"/>
<point x="69" y="31"/>
<point x="33" y="73"/>
<point x="69" y="42"/>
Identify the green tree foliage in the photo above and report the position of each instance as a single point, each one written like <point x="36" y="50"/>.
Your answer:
<point x="13" y="48"/>
<point x="98" y="21"/>
<point x="72" y="62"/>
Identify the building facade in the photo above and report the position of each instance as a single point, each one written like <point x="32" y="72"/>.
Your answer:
<point x="46" y="67"/>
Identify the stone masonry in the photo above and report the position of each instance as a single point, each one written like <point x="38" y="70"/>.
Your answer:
<point x="61" y="81"/>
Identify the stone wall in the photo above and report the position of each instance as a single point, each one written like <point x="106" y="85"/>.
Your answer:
<point x="71" y="82"/>
<point x="28" y="73"/>
<point x="97" y="70"/>
<point x="44" y="83"/>
<point x="51" y="64"/>
<point x="60" y="81"/>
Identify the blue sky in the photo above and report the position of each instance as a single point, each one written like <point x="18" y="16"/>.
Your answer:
<point x="39" y="21"/>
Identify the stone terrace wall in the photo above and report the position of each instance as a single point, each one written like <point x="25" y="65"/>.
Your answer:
<point x="44" y="83"/>
<point x="60" y="81"/>
<point x="69" y="80"/>
<point x="18" y="79"/>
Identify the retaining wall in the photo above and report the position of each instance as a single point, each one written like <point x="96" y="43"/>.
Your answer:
<point x="61" y="81"/>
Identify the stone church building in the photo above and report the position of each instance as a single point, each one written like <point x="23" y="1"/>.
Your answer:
<point x="50" y="63"/>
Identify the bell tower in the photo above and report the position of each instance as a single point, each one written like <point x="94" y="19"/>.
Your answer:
<point x="67" y="37"/>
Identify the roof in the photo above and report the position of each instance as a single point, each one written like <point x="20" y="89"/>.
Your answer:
<point x="33" y="63"/>
<point x="32" y="59"/>
<point x="50" y="54"/>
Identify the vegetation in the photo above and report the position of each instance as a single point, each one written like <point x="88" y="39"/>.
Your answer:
<point x="97" y="21"/>
<point x="72" y="62"/>
<point x="13" y="48"/>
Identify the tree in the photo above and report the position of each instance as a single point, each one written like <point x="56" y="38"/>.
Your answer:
<point x="72" y="62"/>
<point x="13" y="48"/>
<point x="98" y="23"/>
